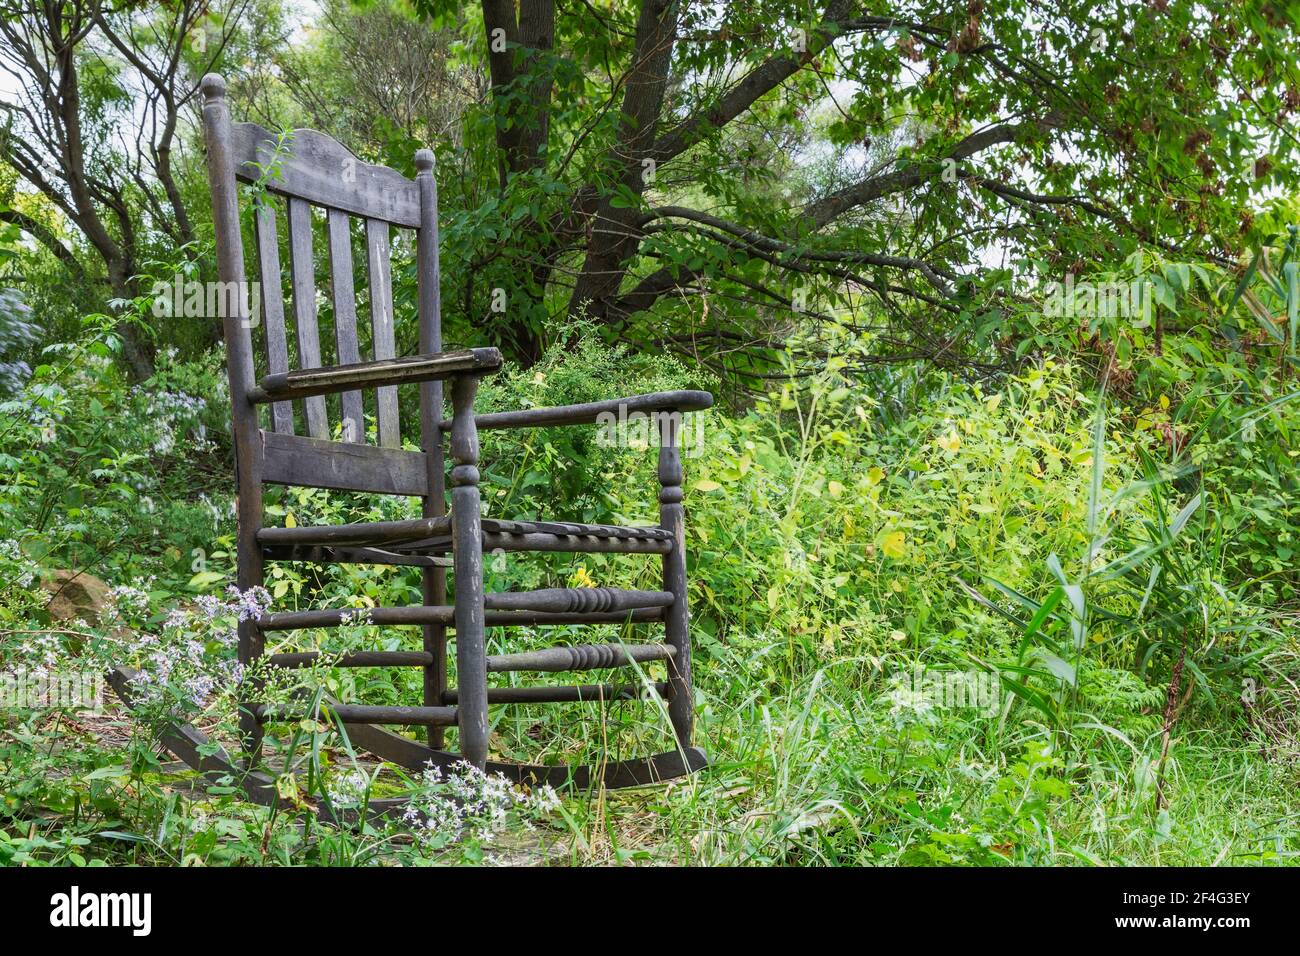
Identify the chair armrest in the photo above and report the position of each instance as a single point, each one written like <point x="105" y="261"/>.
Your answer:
<point x="304" y="383"/>
<point x="591" y="412"/>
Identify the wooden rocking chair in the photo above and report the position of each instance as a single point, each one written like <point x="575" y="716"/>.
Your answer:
<point x="308" y="169"/>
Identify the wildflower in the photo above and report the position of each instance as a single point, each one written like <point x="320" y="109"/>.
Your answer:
<point x="466" y="800"/>
<point x="209" y="605"/>
<point x="349" y="790"/>
<point x="358" y="617"/>
<point x="251" y="604"/>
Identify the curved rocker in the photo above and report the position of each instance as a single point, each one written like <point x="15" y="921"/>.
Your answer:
<point x="639" y="772"/>
<point x="189" y="744"/>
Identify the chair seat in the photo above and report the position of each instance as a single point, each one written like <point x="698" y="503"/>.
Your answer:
<point x="417" y="538"/>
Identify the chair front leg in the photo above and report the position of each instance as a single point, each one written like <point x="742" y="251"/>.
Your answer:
<point x="467" y="563"/>
<point x="681" y="704"/>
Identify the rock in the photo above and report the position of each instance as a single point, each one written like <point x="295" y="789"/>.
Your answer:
<point x="75" y="594"/>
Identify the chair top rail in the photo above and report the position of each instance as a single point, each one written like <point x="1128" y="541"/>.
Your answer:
<point x="311" y="165"/>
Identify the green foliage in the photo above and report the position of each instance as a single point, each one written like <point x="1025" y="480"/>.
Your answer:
<point x="835" y="546"/>
<point x="929" y="470"/>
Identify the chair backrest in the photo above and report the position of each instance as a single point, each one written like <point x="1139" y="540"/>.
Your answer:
<point x="317" y="188"/>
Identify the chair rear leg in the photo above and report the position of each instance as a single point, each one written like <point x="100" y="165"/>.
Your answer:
<point x="435" y="644"/>
<point x="681" y="704"/>
<point x="250" y="573"/>
<point x="467" y="562"/>
<point x="250" y="729"/>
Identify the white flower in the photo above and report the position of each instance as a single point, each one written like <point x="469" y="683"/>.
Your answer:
<point x="464" y="799"/>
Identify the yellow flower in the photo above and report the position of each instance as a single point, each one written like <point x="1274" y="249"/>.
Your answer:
<point x="581" y="579"/>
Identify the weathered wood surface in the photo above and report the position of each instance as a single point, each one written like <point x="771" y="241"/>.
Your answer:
<point x="302" y="282"/>
<point x="418" y="615"/>
<point x="467" y="555"/>
<point x="562" y="600"/>
<point x="353" y="659"/>
<point x="372" y="532"/>
<point x="639" y="772"/>
<point x="326" y="554"/>
<point x="343" y="293"/>
<point x="313" y="463"/>
<point x="316" y="167"/>
<point x="681" y="705"/>
<point x="573" y="528"/>
<point x="590" y="412"/>
<point x="422" y="614"/>
<point x="307" y="382"/>
<point x="239" y="372"/>
<point x="271" y="284"/>
<point x="382" y="334"/>
<point x="588" y="657"/>
<point x="434" y="534"/>
<point x="361" y="714"/>
<point x="572" y="544"/>
<point x="433" y="585"/>
<point x="574" y="694"/>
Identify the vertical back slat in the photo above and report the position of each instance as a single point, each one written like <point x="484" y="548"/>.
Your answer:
<point x="381" y="324"/>
<point x="277" y="347"/>
<point x="302" y="268"/>
<point x="345" y="319"/>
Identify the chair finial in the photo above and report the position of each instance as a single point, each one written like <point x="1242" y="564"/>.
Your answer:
<point x="213" y="86"/>
<point x="424" y="160"/>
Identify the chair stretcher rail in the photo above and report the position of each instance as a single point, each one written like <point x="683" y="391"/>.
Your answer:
<point x="362" y="714"/>
<point x="579" y="693"/>
<point x="582" y="658"/>
<point x="546" y="605"/>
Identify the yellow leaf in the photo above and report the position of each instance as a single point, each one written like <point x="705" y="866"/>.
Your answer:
<point x="949" y="442"/>
<point x="1164" y="401"/>
<point x="704" y="484"/>
<point x="875" y="474"/>
<point x="836" y="489"/>
<point x="894" y="545"/>
<point x="289" y="520"/>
